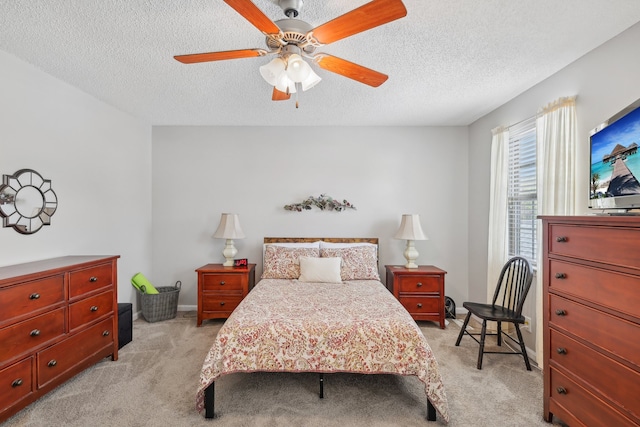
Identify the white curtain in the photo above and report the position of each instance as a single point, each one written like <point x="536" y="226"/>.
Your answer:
<point x="557" y="141"/>
<point x="498" y="209"/>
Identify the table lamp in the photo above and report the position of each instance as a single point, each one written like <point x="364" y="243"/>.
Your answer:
<point x="410" y="230"/>
<point x="229" y="228"/>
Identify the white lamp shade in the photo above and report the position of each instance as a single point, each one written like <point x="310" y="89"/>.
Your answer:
<point x="311" y="80"/>
<point x="297" y="69"/>
<point x="271" y="71"/>
<point x="285" y="84"/>
<point x="410" y="228"/>
<point x="229" y="227"/>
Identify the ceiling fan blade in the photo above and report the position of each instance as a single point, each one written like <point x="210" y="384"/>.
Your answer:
<point x="278" y="95"/>
<point x="367" y="16"/>
<point x="219" y="56"/>
<point x="251" y="13"/>
<point x="349" y="69"/>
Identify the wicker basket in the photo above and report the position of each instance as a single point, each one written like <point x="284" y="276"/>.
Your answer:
<point x="160" y="306"/>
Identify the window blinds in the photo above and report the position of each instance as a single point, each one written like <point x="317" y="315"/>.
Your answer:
<point x="522" y="192"/>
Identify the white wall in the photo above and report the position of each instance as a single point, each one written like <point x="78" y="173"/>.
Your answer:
<point x="98" y="160"/>
<point x="201" y="172"/>
<point x="605" y="81"/>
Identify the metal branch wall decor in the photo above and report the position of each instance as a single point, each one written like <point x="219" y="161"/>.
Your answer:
<point x="323" y="202"/>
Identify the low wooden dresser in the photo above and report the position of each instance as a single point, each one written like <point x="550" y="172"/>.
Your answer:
<point x="57" y="318"/>
<point x="220" y="289"/>
<point x="591" y="300"/>
<point x="420" y="290"/>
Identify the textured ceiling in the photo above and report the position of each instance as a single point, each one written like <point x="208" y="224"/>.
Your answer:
<point x="449" y="62"/>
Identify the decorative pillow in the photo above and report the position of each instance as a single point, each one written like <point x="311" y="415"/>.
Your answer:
<point x="320" y="270"/>
<point x="281" y="262"/>
<point x="358" y="262"/>
<point x="334" y="245"/>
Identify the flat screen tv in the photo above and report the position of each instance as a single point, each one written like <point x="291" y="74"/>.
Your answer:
<point x="615" y="162"/>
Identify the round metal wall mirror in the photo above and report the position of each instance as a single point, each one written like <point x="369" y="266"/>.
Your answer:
<point x="27" y="201"/>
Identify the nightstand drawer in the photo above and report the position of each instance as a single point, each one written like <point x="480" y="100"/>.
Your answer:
<point x="222" y="303"/>
<point x="223" y="282"/>
<point x="421" y="304"/>
<point x="420" y="284"/>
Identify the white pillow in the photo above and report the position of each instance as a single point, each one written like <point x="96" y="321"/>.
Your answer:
<point x="320" y="270"/>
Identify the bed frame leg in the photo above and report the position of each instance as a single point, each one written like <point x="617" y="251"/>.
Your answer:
<point x="431" y="411"/>
<point x="209" y="401"/>
<point x="321" y="386"/>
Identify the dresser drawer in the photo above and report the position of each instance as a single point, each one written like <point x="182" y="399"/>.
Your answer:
<point x="30" y="334"/>
<point x="610" y="333"/>
<point x="597" y="370"/>
<point x="15" y="383"/>
<point x="68" y="354"/>
<point x="220" y="303"/>
<point x="611" y="245"/>
<point x="566" y="395"/>
<point x="421" y="304"/>
<point x="90" y="309"/>
<point x="89" y="279"/>
<point x="618" y="291"/>
<point x="28" y="297"/>
<point x="421" y="283"/>
<point x="223" y="282"/>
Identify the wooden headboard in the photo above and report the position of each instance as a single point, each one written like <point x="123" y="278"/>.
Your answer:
<point x="373" y="240"/>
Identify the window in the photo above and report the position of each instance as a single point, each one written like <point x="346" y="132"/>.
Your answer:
<point x="522" y="193"/>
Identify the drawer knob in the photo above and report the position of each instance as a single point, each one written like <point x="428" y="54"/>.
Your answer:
<point x="94" y="308"/>
<point x="561" y="239"/>
<point x="561" y="312"/>
<point x="222" y="283"/>
<point x="419" y="284"/>
<point x="35" y="332"/>
<point x="93" y="279"/>
<point x="561" y="276"/>
<point x="106" y="333"/>
<point x="52" y="363"/>
<point x="561" y="390"/>
<point x="561" y="350"/>
<point x="17" y="383"/>
<point x="34" y="295"/>
<point x="419" y="305"/>
<point x="221" y="302"/>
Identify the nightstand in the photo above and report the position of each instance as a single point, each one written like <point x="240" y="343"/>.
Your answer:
<point x="420" y="290"/>
<point x="220" y="289"/>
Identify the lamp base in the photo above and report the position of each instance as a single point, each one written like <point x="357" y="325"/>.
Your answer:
<point x="229" y="253"/>
<point x="411" y="254"/>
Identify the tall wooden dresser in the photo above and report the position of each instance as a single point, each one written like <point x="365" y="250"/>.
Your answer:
<point x="592" y="320"/>
<point x="57" y="318"/>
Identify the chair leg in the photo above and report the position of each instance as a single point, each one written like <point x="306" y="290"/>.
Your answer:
<point x="482" y="337"/>
<point x="464" y="328"/>
<point x="522" y="347"/>
<point x="499" y="334"/>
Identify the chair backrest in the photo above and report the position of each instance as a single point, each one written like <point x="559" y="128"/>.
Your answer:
<point x="513" y="285"/>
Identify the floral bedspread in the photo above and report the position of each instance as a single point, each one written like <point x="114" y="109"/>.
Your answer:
<point x="290" y="326"/>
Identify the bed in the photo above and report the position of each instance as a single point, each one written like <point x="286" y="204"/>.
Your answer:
<point x="320" y="307"/>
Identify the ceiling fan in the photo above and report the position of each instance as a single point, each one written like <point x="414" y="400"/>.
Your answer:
<point x="291" y="40"/>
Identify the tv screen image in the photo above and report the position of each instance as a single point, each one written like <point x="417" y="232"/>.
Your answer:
<point x="615" y="162"/>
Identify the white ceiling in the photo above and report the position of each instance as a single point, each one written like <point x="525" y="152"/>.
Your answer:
<point x="449" y="62"/>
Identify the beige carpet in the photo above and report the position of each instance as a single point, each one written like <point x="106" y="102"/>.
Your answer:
<point x="155" y="380"/>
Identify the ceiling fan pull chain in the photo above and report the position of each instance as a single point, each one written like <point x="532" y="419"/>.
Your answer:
<point x="297" y="91"/>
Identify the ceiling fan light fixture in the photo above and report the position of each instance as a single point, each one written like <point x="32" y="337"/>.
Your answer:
<point x="271" y="71"/>
<point x="297" y="68"/>
<point x="285" y="84"/>
<point x="311" y="80"/>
